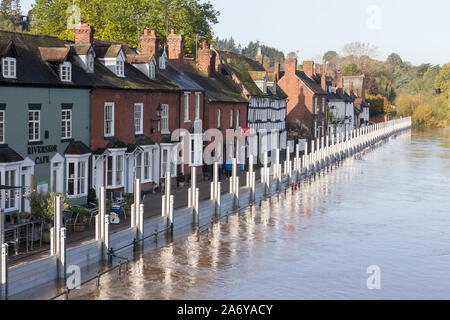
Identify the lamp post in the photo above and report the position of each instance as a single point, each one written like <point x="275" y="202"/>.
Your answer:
<point x="158" y="115"/>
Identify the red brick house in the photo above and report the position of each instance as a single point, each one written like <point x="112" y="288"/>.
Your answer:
<point x="307" y="102"/>
<point x="133" y="109"/>
<point x="225" y="106"/>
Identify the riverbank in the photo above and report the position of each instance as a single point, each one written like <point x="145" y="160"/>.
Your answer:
<point x="89" y="254"/>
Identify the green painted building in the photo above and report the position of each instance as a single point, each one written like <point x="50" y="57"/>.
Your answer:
<point x="44" y="120"/>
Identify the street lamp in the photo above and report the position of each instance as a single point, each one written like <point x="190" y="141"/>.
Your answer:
<point x="158" y="115"/>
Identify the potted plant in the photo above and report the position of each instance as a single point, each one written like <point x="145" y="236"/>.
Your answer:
<point x="83" y="214"/>
<point x="24" y="217"/>
<point x="181" y="179"/>
<point x="129" y="200"/>
<point x="42" y="205"/>
<point x="92" y="196"/>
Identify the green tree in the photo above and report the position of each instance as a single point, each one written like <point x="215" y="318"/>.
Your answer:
<point x="351" y="70"/>
<point x="123" y="21"/>
<point x="329" y="56"/>
<point x="394" y="60"/>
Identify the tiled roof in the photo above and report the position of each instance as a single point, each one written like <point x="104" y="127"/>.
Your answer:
<point x="310" y="83"/>
<point x="8" y="155"/>
<point x="54" y="54"/>
<point x="242" y="67"/>
<point x="217" y="88"/>
<point x="180" y="79"/>
<point x="80" y="49"/>
<point x="258" y="75"/>
<point x="32" y="70"/>
<point x="77" y="148"/>
<point x="144" y="140"/>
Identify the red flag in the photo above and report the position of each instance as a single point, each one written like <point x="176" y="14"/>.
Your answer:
<point x="246" y="132"/>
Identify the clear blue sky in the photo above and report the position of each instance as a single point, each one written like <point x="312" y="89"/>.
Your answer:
<point x="417" y="30"/>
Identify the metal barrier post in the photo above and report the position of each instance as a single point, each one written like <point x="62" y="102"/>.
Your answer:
<point x="62" y="255"/>
<point x="106" y="238"/>
<point x="4" y="272"/>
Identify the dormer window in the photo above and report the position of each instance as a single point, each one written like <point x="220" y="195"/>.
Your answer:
<point x="9" y="68"/>
<point x="162" y="62"/>
<point x="90" y="63"/>
<point x="152" y="71"/>
<point x="66" y="71"/>
<point x="120" y="68"/>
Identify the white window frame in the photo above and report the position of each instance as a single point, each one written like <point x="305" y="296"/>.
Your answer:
<point x="34" y="124"/>
<point x="152" y="71"/>
<point x="2" y="126"/>
<point x="66" y="124"/>
<point x="115" y="155"/>
<point x="197" y="106"/>
<point x="237" y="119"/>
<point x="90" y="63"/>
<point x="139" y="122"/>
<point x="195" y="150"/>
<point x="65" y="71"/>
<point x="165" y="119"/>
<point x="146" y="167"/>
<point x="106" y="120"/>
<point x="231" y="118"/>
<point x="120" y="68"/>
<point x="171" y="159"/>
<point x="77" y="161"/>
<point x="9" y="63"/>
<point x="162" y="63"/>
<point x="323" y="105"/>
<point x="186" y="106"/>
<point x="57" y="163"/>
<point x="12" y="193"/>
<point x="219" y="118"/>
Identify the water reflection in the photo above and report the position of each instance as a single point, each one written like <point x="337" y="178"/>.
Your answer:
<point x="388" y="207"/>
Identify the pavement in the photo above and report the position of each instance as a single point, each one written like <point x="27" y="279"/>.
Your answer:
<point x="152" y="208"/>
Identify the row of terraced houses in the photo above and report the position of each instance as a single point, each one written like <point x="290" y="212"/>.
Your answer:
<point x="77" y="115"/>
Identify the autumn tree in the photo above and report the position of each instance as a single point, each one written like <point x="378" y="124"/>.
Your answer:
<point x="442" y="81"/>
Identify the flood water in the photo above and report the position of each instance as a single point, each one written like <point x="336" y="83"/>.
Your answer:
<point x="389" y="208"/>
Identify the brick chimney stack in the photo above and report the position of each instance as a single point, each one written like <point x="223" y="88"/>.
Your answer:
<point x="323" y="81"/>
<point x="84" y="34"/>
<point x="308" y="68"/>
<point x="277" y="70"/>
<point x="150" y="44"/>
<point x="259" y="56"/>
<point x="340" y="85"/>
<point x="290" y="65"/>
<point x="206" y="60"/>
<point x="175" y="44"/>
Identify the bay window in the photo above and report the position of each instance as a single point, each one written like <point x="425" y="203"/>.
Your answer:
<point x="168" y="160"/>
<point x="196" y="152"/>
<point x="114" y="168"/>
<point x="143" y="165"/>
<point x="77" y="172"/>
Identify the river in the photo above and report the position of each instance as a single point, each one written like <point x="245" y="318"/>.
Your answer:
<point x="389" y="208"/>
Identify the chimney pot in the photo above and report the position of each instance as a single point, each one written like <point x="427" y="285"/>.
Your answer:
<point x="204" y="45"/>
<point x="84" y="34"/>
<point x="145" y="31"/>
